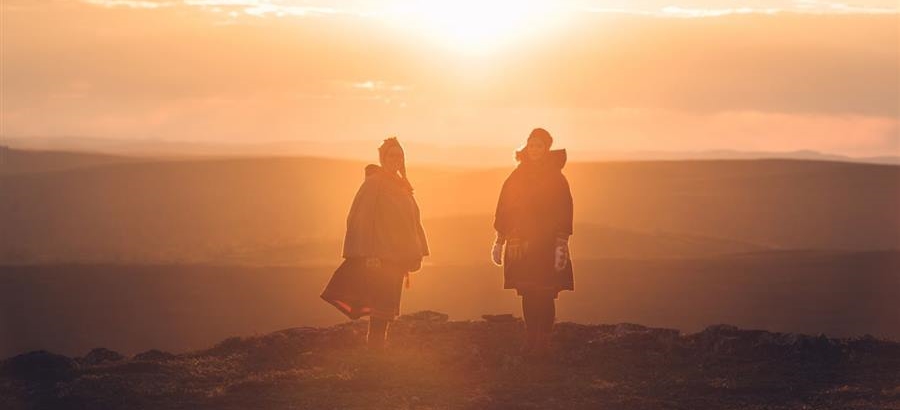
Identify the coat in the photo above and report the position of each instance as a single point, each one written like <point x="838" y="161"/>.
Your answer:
<point x="535" y="209"/>
<point x="384" y="223"/>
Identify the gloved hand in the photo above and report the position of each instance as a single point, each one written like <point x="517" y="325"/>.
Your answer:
<point x="373" y="262"/>
<point x="497" y="253"/>
<point x="562" y="254"/>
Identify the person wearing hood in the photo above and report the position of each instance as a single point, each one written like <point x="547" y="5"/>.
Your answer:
<point x="533" y="221"/>
<point x="383" y="243"/>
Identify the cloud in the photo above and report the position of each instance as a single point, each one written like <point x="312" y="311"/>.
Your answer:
<point x="817" y="6"/>
<point x="695" y="12"/>
<point x="835" y="65"/>
<point x="665" y="8"/>
<point x="785" y="80"/>
<point x="256" y="8"/>
<point x="134" y="4"/>
<point x="372" y="85"/>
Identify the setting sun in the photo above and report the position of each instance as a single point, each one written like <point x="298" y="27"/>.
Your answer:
<point x="475" y="26"/>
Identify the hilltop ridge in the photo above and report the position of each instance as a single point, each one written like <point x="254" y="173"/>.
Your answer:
<point x="434" y="363"/>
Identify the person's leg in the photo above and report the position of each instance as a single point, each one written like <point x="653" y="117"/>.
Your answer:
<point x="377" y="333"/>
<point x="532" y="324"/>
<point x="384" y="288"/>
<point x="550" y="314"/>
<point x="545" y="316"/>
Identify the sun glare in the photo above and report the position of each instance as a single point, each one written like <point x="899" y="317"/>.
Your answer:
<point x="475" y="26"/>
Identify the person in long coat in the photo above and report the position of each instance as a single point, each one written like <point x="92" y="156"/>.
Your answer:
<point x="533" y="223"/>
<point x="383" y="243"/>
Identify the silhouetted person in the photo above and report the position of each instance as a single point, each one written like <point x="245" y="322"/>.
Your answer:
<point x="384" y="242"/>
<point x="534" y="222"/>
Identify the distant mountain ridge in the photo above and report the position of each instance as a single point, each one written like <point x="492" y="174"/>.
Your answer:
<point x="424" y="153"/>
<point x="15" y="161"/>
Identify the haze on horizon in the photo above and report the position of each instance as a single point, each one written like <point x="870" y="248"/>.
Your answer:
<point x="773" y="75"/>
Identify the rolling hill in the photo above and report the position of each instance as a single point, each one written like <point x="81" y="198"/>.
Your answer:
<point x="14" y="161"/>
<point x="179" y="253"/>
<point x="216" y="210"/>
<point x="73" y="307"/>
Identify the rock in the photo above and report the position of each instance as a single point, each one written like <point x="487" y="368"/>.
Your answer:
<point x="626" y="328"/>
<point x="305" y="331"/>
<point x="154" y="356"/>
<point x="229" y="346"/>
<point x="427" y="316"/>
<point x="504" y="318"/>
<point x="719" y="330"/>
<point x="723" y="340"/>
<point x="40" y="367"/>
<point x="477" y="364"/>
<point x="101" y="355"/>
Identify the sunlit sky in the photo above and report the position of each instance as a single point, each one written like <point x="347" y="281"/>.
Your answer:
<point x="771" y="75"/>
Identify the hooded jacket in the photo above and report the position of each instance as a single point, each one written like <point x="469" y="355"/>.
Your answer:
<point x="534" y="209"/>
<point x="384" y="221"/>
<point x="535" y="201"/>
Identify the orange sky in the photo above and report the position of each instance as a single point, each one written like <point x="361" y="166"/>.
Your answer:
<point x="601" y="75"/>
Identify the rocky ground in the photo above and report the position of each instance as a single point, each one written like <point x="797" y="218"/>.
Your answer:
<point x="434" y="363"/>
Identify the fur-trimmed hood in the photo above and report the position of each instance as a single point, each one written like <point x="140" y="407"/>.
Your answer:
<point x="556" y="157"/>
<point x="376" y="171"/>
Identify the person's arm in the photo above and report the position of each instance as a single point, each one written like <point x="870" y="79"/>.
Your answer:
<point x="361" y="239"/>
<point x="502" y="215"/>
<point x="564" y="222"/>
<point x="502" y="223"/>
<point x="416" y="263"/>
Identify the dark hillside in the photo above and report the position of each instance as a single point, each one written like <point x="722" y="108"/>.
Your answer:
<point x="14" y="161"/>
<point x="130" y="308"/>
<point x="436" y="364"/>
<point x="210" y="211"/>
